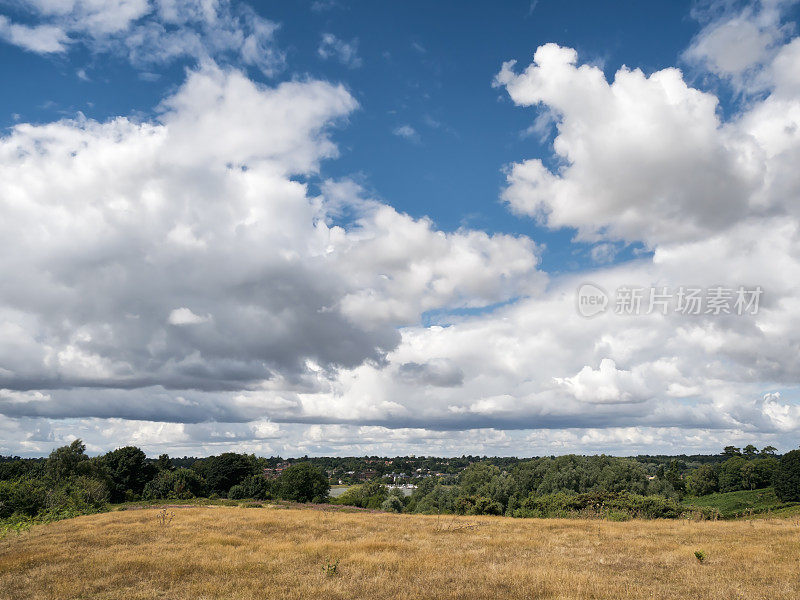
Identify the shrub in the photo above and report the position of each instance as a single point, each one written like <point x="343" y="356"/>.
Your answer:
<point x="477" y="505"/>
<point x="392" y="504"/>
<point x="368" y="495"/>
<point x="23" y="497"/>
<point x="611" y="505"/>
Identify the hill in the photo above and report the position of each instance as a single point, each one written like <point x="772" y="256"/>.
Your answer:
<point x="742" y="503"/>
<point x="248" y="553"/>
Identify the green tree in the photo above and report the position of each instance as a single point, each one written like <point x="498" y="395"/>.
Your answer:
<point x="257" y="487"/>
<point x="224" y="471"/>
<point x="164" y="463"/>
<point x="303" y="482"/>
<point x="731" y="451"/>
<point x="768" y="451"/>
<point x="731" y="474"/>
<point x="673" y="476"/>
<point x="129" y="472"/>
<point x="703" y="480"/>
<point x="63" y="462"/>
<point x="787" y="477"/>
<point x="750" y="451"/>
<point x="179" y="484"/>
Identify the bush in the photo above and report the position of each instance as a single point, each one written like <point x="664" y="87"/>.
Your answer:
<point x="392" y="504"/>
<point x="787" y="477"/>
<point x="238" y="492"/>
<point x="36" y="497"/>
<point x="477" y="505"/>
<point x="612" y="505"/>
<point x="23" y="497"/>
<point x="368" y="495"/>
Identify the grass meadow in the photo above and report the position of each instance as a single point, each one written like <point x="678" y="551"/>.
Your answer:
<point x="247" y="553"/>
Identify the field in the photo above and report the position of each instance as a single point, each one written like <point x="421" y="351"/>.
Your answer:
<point x="248" y="553"/>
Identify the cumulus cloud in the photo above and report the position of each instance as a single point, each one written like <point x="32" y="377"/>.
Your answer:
<point x="678" y="172"/>
<point x="204" y="264"/>
<point x="607" y="384"/>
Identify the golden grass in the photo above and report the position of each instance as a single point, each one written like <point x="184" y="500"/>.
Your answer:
<point x="238" y="553"/>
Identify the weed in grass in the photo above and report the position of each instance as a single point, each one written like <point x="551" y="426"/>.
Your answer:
<point x="330" y="568"/>
<point x="164" y="518"/>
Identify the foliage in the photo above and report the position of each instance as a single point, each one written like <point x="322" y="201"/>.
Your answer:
<point x="787" y="477"/>
<point x="740" y="473"/>
<point x="63" y="462"/>
<point x="433" y="498"/>
<point x="256" y="487"/>
<point x="392" y="504"/>
<point x="700" y="555"/>
<point x="224" y="471"/>
<point x="35" y="497"/>
<point x="740" y="502"/>
<point x="613" y="505"/>
<point x="477" y="505"/>
<point x="128" y="471"/>
<point x="703" y="480"/>
<point x="368" y="495"/>
<point x="303" y="482"/>
<point x="179" y="484"/>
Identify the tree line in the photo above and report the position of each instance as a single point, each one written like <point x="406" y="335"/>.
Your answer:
<point x="70" y="482"/>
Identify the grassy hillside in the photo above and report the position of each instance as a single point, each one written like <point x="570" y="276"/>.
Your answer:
<point x="238" y="553"/>
<point x="743" y="503"/>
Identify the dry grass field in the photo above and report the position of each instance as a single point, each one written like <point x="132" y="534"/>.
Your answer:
<point x="244" y="553"/>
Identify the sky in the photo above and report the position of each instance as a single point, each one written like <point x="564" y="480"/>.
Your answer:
<point x="349" y="228"/>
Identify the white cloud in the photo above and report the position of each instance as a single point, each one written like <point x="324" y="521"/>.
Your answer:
<point x="200" y="214"/>
<point x="407" y="132"/>
<point x="184" y="316"/>
<point x="151" y="32"/>
<point x="42" y="39"/>
<point x="644" y="157"/>
<point x="607" y="384"/>
<point x="737" y="45"/>
<point x="345" y="52"/>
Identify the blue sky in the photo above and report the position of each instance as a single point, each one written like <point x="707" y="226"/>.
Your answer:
<point x="339" y="227"/>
